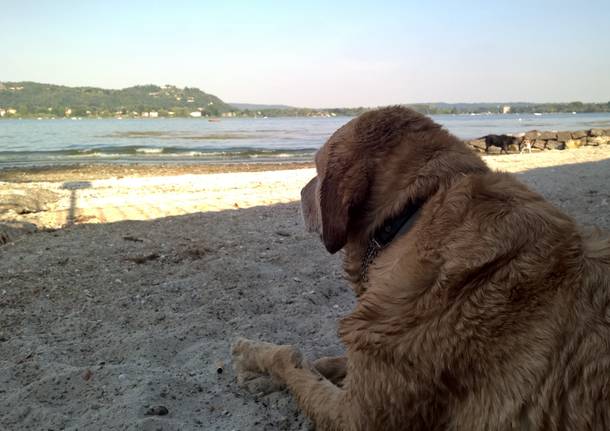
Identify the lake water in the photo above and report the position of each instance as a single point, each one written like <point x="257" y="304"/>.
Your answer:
<point x="186" y="140"/>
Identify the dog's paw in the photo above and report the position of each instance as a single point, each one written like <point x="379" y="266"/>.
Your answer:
<point x="262" y="385"/>
<point x="248" y="360"/>
<point x="254" y="358"/>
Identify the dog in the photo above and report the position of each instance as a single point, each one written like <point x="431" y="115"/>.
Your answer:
<point x="526" y="145"/>
<point x="480" y="305"/>
<point x="500" y="141"/>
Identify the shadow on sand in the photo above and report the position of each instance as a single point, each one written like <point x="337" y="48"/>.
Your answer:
<point x="74" y="186"/>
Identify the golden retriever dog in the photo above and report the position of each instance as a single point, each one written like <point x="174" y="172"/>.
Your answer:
<point x="480" y="306"/>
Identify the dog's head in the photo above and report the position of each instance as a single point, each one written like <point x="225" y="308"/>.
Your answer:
<point x="373" y="166"/>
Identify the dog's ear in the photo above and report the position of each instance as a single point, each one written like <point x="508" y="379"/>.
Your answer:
<point x="343" y="189"/>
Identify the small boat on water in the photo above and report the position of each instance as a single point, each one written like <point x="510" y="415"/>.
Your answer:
<point x="214" y="120"/>
<point x="537" y="113"/>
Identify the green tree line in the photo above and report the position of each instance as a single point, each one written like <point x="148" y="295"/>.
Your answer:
<point x="31" y="99"/>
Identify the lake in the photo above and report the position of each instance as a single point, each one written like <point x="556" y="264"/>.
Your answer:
<point x="239" y="140"/>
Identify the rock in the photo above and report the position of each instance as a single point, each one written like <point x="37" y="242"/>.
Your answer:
<point x="598" y="140"/>
<point x="548" y="136"/>
<point x="591" y="142"/>
<point x="87" y="375"/>
<point x="532" y="135"/>
<point x="578" y="134"/>
<point x="36" y="200"/>
<point x="539" y="144"/>
<point x="140" y="259"/>
<point x="555" y="145"/>
<point x="20" y="204"/>
<point x="513" y="148"/>
<point x="494" y="150"/>
<point x="573" y="144"/>
<point x="596" y="132"/>
<point x="9" y="231"/>
<point x="564" y="136"/>
<point x="478" y="145"/>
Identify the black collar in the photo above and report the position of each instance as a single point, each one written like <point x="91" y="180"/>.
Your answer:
<point x="392" y="228"/>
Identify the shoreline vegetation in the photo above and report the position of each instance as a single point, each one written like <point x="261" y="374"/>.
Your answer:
<point x="47" y="101"/>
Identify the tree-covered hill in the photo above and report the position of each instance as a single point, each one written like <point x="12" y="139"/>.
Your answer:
<point x="32" y="99"/>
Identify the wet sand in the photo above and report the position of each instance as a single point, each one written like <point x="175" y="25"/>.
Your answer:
<point x="105" y="171"/>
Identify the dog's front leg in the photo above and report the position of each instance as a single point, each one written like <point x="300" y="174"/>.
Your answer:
<point x="320" y="399"/>
<point x="334" y="368"/>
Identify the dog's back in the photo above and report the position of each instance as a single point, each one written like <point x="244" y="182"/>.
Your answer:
<point x="562" y="366"/>
<point x="513" y="331"/>
<point x="556" y="373"/>
<point x="577" y="389"/>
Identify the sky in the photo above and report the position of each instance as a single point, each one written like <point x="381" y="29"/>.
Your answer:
<point x="317" y="53"/>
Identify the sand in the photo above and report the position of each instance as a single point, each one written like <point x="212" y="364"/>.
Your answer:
<point x="104" y="194"/>
<point x="105" y="321"/>
<point x="151" y="197"/>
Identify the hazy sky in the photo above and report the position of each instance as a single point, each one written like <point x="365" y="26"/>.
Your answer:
<point x="317" y="54"/>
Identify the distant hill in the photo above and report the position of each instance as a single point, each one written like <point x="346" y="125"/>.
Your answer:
<point x="508" y="107"/>
<point x="257" y="107"/>
<point x="31" y="99"/>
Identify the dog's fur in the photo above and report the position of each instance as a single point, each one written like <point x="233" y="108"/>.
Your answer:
<point x="491" y="313"/>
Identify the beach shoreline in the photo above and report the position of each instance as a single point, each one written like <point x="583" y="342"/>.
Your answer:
<point x="56" y="197"/>
<point x="97" y="171"/>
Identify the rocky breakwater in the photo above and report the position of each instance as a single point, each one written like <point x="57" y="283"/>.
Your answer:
<point x="13" y="205"/>
<point x="536" y="141"/>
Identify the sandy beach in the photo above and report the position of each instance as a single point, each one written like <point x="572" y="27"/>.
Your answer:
<point x="107" y="193"/>
<point x="128" y="296"/>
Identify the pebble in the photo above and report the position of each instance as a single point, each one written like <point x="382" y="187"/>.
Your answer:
<point x="87" y="374"/>
<point x="157" y="411"/>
